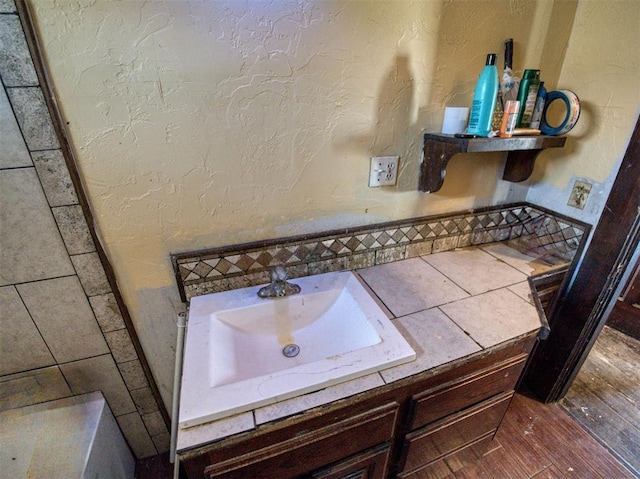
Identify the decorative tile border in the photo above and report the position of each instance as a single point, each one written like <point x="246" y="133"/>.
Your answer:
<point x="237" y="266"/>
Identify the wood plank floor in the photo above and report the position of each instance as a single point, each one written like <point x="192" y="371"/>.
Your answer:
<point x="605" y="396"/>
<point x="535" y="441"/>
<point x="541" y="441"/>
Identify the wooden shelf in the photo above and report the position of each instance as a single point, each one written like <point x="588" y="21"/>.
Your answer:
<point x="520" y="152"/>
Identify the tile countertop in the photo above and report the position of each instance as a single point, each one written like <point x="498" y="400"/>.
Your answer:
<point x="447" y="305"/>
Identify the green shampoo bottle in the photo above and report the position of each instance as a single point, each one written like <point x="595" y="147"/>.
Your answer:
<point x="527" y="95"/>
<point x="484" y="99"/>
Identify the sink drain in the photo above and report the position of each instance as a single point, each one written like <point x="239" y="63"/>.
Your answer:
<point x="291" y="350"/>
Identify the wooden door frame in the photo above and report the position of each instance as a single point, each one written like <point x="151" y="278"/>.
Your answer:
<point x="625" y="315"/>
<point x="593" y="286"/>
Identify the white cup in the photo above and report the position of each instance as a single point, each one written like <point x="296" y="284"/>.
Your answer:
<point x="455" y="119"/>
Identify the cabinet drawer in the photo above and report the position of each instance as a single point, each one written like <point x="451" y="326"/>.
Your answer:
<point x="441" y="401"/>
<point x="371" y="464"/>
<point x="312" y="449"/>
<point x="443" y="437"/>
<point x="444" y="467"/>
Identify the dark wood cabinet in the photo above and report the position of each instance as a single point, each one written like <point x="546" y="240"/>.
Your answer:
<point x="371" y="464"/>
<point x="438" y="402"/>
<point x="443" y="467"/>
<point x="422" y="426"/>
<point x="457" y="415"/>
<point x="440" y="439"/>
<point x="303" y="449"/>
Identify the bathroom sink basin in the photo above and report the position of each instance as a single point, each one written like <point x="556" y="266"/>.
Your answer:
<point x="242" y="351"/>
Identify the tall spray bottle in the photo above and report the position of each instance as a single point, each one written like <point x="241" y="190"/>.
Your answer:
<point x="484" y="99"/>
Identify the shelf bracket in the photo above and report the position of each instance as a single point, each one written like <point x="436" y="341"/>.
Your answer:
<point x="519" y="165"/>
<point x="434" y="163"/>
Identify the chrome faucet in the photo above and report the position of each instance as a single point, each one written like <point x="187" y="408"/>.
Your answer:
<point x="279" y="285"/>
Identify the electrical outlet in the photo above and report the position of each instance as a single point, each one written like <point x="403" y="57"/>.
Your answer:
<point x="383" y="171"/>
<point x="579" y="194"/>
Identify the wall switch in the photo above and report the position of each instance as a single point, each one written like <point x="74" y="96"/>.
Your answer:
<point x="579" y="194"/>
<point x="383" y="171"/>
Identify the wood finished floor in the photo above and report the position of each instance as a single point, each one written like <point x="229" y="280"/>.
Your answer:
<point x="605" y="396"/>
<point x="541" y="441"/>
<point x="554" y="441"/>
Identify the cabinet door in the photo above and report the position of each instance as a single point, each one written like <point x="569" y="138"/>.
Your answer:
<point x="445" y="467"/>
<point x="303" y="452"/>
<point x="370" y="464"/>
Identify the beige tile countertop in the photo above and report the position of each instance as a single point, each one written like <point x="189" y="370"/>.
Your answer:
<point x="448" y="306"/>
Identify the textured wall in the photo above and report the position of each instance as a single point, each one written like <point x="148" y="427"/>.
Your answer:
<point x="61" y="332"/>
<point x="602" y="65"/>
<point x="207" y="123"/>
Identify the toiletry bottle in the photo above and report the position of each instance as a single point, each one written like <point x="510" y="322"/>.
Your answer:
<point x="511" y="108"/>
<point x="484" y="99"/>
<point x="498" y="111"/>
<point x="527" y="96"/>
<point x="540" y="102"/>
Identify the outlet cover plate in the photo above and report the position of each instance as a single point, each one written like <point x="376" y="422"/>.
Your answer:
<point x="383" y="171"/>
<point x="579" y="194"/>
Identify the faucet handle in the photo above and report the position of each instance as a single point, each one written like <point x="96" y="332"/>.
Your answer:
<point x="278" y="274"/>
<point x="279" y="285"/>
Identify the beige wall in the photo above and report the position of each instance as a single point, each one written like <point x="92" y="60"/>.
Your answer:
<point x="206" y="123"/>
<point x="602" y="65"/>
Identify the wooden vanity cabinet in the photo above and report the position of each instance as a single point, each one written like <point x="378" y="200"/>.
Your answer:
<point x="425" y="426"/>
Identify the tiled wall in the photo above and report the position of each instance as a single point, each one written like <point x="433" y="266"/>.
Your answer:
<point x="540" y="232"/>
<point x="61" y="330"/>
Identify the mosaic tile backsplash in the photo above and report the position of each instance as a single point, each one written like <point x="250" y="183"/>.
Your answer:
<point x="545" y="233"/>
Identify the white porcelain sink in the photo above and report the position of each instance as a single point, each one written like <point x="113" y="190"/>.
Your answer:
<point x="236" y="342"/>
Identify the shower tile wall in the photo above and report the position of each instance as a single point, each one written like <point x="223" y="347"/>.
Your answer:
<point x="61" y="331"/>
